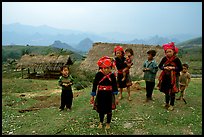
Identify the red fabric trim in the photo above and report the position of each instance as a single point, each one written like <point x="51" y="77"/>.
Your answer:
<point x="173" y="74"/>
<point x="100" y="87"/>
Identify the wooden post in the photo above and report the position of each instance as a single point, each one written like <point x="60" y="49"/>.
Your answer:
<point x="21" y="73"/>
<point x="28" y="72"/>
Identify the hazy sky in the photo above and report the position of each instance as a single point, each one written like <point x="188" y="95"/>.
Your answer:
<point x="145" y="18"/>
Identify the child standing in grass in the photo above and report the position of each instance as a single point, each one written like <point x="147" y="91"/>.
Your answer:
<point x="65" y="81"/>
<point x="121" y="65"/>
<point x="169" y="77"/>
<point x="105" y="89"/>
<point x="184" y="81"/>
<point x="150" y="69"/>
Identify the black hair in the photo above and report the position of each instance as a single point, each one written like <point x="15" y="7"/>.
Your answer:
<point x="130" y="51"/>
<point x="152" y="52"/>
<point x="65" y="66"/>
<point x="185" y="65"/>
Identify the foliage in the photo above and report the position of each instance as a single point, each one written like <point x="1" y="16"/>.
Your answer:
<point x="15" y="52"/>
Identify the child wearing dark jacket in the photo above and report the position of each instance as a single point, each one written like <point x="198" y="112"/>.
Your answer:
<point x="65" y="81"/>
<point x="105" y="89"/>
<point x="169" y="77"/>
<point x="121" y="65"/>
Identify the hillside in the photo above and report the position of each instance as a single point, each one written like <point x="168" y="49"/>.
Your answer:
<point x="16" y="51"/>
<point x="59" y="44"/>
<point x="106" y="49"/>
<point x="84" y="45"/>
<point x="30" y="107"/>
<point x="191" y="43"/>
<point x="155" y="40"/>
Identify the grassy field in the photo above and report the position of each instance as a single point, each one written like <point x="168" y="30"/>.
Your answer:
<point x="30" y="107"/>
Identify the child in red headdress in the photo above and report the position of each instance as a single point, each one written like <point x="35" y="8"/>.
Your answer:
<point x="105" y="89"/>
<point x="121" y="65"/>
<point x="169" y="77"/>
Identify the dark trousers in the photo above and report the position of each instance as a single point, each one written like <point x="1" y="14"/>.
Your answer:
<point x="66" y="99"/>
<point x="109" y="116"/>
<point x="149" y="88"/>
<point x="170" y="97"/>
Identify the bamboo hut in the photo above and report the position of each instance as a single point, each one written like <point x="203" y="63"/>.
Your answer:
<point x="48" y="65"/>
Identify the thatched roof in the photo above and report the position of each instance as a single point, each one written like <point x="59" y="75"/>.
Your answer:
<point x="50" y="62"/>
<point x="106" y="49"/>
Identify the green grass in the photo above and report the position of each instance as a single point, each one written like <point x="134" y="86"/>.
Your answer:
<point x="134" y="117"/>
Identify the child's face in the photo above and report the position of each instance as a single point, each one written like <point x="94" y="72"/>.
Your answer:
<point x="185" y="69"/>
<point x="169" y="52"/>
<point x="106" y="70"/>
<point x="65" y="72"/>
<point x="149" y="56"/>
<point x="119" y="54"/>
<point x="128" y="54"/>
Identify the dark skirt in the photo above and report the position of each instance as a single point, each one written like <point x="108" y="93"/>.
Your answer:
<point x="126" y="83"/>
<point x="121" y="84"/>
<point x="104" y="102"/>
<point x="166" y="85"/>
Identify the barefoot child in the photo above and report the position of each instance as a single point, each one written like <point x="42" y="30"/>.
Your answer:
<point x="169" y="77"/>
<point x="105" y="89"/>
<point x="65" y="81"/>
<point x="121" y="65"/>
<point x="150" y="69"/>
<point x="184" y="81"/>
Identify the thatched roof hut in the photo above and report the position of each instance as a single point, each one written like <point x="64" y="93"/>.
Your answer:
<point x="48" y="63"/>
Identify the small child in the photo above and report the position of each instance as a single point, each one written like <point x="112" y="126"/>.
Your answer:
<point x="129" y="58"/>
<point x="121" y="65"/>
<point x="105" y="89"/>
<point x="65" y="81"/>
<point x="184" y="80"/>
<point x="150" y="69"/>
<point x="169" y="77"/>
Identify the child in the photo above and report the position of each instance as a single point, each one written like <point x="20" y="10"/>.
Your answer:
<point x="184" y="81"/>
<point x="105" y="89"/>
<point x="65" y="81"/>
<point x="168" y="79"/>
<point x="150" y="69"/>
<point x="129" y="58"/>
<point x="121" y="65"/>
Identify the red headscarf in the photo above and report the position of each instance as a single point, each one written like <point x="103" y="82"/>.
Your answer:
<point x="104" y="62"/>
<point x="118" y="48"/>
<point x="170" y="45"/>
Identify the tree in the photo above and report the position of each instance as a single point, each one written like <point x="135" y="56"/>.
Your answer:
<point x="25" y="51"/>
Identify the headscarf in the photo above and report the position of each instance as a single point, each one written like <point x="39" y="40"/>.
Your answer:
<point x="118" y="48"/>
<point x="170" y="45"/>
<point x="104" y="62"/>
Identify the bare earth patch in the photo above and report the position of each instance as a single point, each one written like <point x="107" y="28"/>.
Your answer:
<point x="45" y="100"/>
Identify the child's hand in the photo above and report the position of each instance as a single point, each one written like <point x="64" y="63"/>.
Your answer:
<point x="92" y="100"/>
<point x="167" y="68"/>
<point x="116" y="101"/>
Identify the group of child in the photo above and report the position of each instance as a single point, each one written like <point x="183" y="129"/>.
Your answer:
<point x="106" y="82"/>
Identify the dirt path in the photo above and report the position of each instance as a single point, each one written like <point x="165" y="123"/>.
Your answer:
<point x="45" y="99"/>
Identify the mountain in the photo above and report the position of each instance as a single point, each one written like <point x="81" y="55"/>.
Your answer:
<point x="59" y="44"/>
<point x="155" y="40"/>
<point x="84" y="45"/>
<point x="191" y="43"/>
<point x="43" y="35"/>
